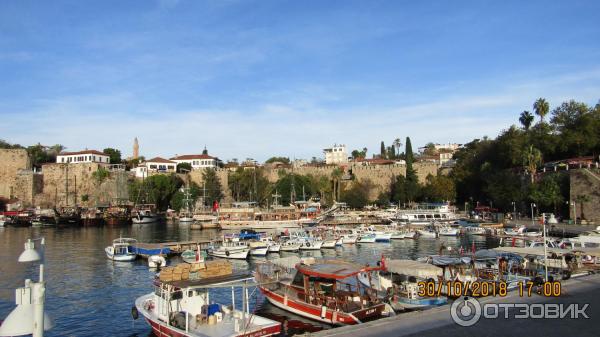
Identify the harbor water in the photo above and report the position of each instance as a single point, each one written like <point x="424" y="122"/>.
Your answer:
<point x="89" y="295"/>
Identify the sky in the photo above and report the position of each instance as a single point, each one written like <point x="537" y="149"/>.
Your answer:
<point x="287" y="78"/>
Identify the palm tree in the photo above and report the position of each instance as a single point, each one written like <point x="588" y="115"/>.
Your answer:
<point x="532" y="158"/>
<point x="541" y="108"/>
<point x="397" y="144"/>
<point x="336" y="175"/>
<point x="526" y="119"/>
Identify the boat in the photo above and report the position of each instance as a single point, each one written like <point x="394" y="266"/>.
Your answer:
<point x="448" y="231"/>
<point x="329" y="243"/>
<point x="349" y="239"/>
<point x="69" y="216"/>
<point x="310" y="244"/>
<point x="273" y="246"/>
<point x="290" y="246"/>
<point x="157" y="261"/>
<point x="367" y="238"/>
<point x="91" y="217"/>
<point x="399" y="282"/>
<point x="232" y="248"/>
<point x="117" y="215"/>
<point x="242" y="215"/>
<point x="203" y="307"/>
<point x="324" y="290"/>
<point x="425" y="213"/>
<point x="428" y="232"/>
<point x="144" y="213"/>
<point x="122" y="249"/>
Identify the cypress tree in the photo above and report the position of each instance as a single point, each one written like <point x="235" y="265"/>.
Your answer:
<point x="412" y="181"/>
<point x="382" y="151"/>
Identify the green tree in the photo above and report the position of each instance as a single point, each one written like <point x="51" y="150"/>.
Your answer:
<point x="439" y="188"/>
<point x="532" y="158"/>
<point x="6" y="145"/>
<point x="179" y="196"/>
<point x="40" y="155"/>
<point x="250" y="185"/>
<point x="382" y="151"/>
<point x="397" y="145"/>
<point x="412" y="181"/>
<point x="212" y="184"/>
<point x="357" y="195"/>
<point x="430" y="149"/>
<point x="184" y="167"/>
<point x="284" y="160"/>
<point x="541" y="108"/>
<point x="100" y="175"/>
<point x="158" y="189"/>
<point x="114" y="154"/>
<point x="526" y="119"/>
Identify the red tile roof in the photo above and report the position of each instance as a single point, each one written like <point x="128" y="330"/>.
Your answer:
<point x="160" y="160"/>
<point x="193" y="156"/>
<point x="83" y="152"/>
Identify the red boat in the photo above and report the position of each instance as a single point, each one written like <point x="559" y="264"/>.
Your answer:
<point x="327" y="291"/>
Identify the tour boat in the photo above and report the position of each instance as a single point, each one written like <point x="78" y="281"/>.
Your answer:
<point x="325" y="290"/>
<point x="290" y="246"/>
<point x="187" y="308"/>
<point x="122" y="249"/>
<point x="399" y="282"/>
<point x="428" y="232"/>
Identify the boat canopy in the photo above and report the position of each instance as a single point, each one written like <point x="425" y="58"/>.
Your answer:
<point x="289" y="262"/>
<point x="333" y="269"/>
<point x="231" y="280"/>
<point x="413" y="268"/>
<point x="525" y="251"/>
<point x="439" y="260"/>
<point x="490" y="254"/>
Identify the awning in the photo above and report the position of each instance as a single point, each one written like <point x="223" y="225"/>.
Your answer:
<point x="413" y="268"/>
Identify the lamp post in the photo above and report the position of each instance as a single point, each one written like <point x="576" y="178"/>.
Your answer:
<point x="532" y="206"/>
<point x="514" y="205"/>
<point x="28" y="317"/>
<point x="545" y="248"/>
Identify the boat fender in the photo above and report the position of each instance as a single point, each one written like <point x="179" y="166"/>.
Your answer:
<point x="134" y="312"/>
<point x="227" y="253"/>
<point x="323" y="311"/>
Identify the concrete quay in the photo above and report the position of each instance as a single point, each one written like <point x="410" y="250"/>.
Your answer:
<point x="438" y="322"/>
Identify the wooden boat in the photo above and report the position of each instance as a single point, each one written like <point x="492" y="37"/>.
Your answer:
<point x="122" y="249"/>
<point x="327" y="290"/>
<point x="144" y="213"/>
<point x="187" y="308"/>
<point x="399" y="283"/>
<point x="91" y="217"/>
<point x="116" y="216"/>
<point x="231" y="249"/>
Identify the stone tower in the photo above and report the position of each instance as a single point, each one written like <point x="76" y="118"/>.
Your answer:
<point x="136" y="149"/>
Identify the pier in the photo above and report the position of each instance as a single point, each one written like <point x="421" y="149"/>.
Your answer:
<point x="438" y="322"/>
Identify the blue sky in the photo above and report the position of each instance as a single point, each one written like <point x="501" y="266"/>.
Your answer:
<point x="261" y="78"/>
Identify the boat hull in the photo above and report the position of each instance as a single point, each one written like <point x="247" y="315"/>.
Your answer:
<point x="121" y="258"/>
<point x="237" y="255"/>
<point x="259" y="251"/>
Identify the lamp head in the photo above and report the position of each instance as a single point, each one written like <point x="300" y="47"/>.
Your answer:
<point x="30" y="254"/>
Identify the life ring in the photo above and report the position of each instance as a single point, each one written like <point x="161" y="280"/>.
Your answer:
<point x="227" y="253"/>
<point x="307" y="244"/>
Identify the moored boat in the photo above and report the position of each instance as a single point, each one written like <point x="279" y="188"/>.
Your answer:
<point x="122" y="249"/>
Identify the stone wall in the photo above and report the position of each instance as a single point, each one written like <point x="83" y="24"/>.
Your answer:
<point x="223" y="174"/>
<point x="586" y="182"/>
<point x="11" y="162"/>
<point x="28" y="185"/>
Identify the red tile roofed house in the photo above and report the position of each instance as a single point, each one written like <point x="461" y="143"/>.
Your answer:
<point x="155" y="165"/>
<point x="86" y="156"/>
<point x="197" y="161"/>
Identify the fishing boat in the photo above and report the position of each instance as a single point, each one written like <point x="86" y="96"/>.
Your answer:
<point x="91" y="217"/>
<point x="122" y="249"/>
<point x="273" y="246"/>
<point x="232" y="248"/>
<point x="116" y="215"/>
<point x="399" y="283"/>
<point x="201" y="308"/>
<point x="329" y="243"/>
<point x="325" y="290"/>
<point x="69" y="216"/>
<point x="290" y="246"/>
<point x="193" y="256"/>
<point x="428" y="232"/>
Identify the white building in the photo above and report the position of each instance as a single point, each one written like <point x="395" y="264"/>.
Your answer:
<point x="336" y="154"/>
<point x="450" y="146"/>
<point x="87" y="156"/>
<point x="197" y="161"/>
<point x="155" y="165"/>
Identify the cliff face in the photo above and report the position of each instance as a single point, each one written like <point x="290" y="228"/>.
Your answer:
<point x="586" y="182"/>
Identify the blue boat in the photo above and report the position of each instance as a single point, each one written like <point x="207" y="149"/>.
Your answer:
<point x="149" y="249"/>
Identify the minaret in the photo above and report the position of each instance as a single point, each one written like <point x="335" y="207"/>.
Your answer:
<point x="136" y="149"/>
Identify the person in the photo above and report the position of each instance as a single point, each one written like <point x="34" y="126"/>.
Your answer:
<point x="284" y="328"/>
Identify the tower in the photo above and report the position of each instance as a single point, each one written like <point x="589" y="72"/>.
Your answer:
<point x="136" y="148"/>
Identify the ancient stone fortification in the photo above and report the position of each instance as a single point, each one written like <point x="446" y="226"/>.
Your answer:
<point x="223" y="174"/>
<point x="67" y="184"/>
<point x="586" y="182"/>
<point x="12" y="161"/>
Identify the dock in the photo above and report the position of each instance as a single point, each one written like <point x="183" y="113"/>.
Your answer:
<point x="172" y="248"/>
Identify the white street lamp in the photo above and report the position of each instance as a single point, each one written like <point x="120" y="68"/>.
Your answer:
<point x="28" y="318"/>
<point x="532" y="206"/>
<point x="545" y="248"/>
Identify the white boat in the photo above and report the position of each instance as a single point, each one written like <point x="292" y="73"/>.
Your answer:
<point x="448" y="231"/>
<point x="397" y="236"/>
<point x="349" y="238"/>
<point x="192" y="256"/>
<point x="189" y="309"/>
<point x="273" y="246"/>
<point x="311" y="244"/>
<point x="186" y="215"/>
<point x="231" y="249"/>
<point x="329" y="243"/>
<point x="290" y="246"/>
<point x="410" y="235"/>
<point x="260" y="251"/>
<point x="157" y="261"/>
<point x="339" y="242"/>
<point x="144" y="214"/>
<point x="367" y="238"/>
<point x="427" y="233"/>
<point x="424" y="214"/>
<point x="121" y="250"/>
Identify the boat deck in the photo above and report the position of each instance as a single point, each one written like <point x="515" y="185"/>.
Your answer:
<point x="172" y="248"/>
